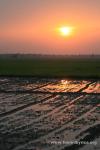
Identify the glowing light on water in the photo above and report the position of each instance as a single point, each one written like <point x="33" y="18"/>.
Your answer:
<point x="64" y="82"/>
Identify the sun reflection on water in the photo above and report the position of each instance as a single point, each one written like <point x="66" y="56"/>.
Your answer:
<point x="64" y="82"/>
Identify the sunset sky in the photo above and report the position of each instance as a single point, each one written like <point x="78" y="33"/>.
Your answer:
<point x="35" y="26"/>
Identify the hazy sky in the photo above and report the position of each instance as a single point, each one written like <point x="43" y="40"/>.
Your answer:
<point x="29" y="26"/>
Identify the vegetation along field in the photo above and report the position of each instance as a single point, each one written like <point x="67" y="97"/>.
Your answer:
<point x="51" y="66"/>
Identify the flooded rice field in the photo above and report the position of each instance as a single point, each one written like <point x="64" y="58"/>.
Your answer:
<point x="49" y="114"/>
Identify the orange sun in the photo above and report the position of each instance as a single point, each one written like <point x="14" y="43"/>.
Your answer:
<point x="65" y="31"/>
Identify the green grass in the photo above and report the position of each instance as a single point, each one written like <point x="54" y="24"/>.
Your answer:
<point x="51" y="67"/>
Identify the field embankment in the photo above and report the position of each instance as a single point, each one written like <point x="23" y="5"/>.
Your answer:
<point x="50" y="67"/>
